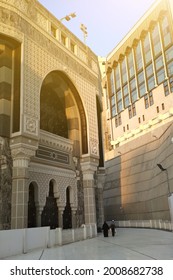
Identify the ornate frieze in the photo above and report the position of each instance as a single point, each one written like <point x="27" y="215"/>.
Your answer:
<point x="52" y="155"/>
<point x="12" y="18"/>
<point x="55" y="141"/>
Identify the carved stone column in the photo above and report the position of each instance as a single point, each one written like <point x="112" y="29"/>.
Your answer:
<point x="88" y="167"/>
<point x="21" y="154"/>
<point x="60" y="216"/>
<point x="39" y="210"/>
<point x="74" y="222"/>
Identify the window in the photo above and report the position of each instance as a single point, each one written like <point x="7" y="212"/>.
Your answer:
<point x="150" y="77"/>
<point x="143" y="117"/>
<point x="120" y="106"/>
<point x="166" y="32"/>
<point x="63" y="39"/>
<point x="169" y="54"/>
<point x="171" y="83"/>
<point x="134" y="109"/>
<point x="159" y="62"/>
<point x="113" y="111"/>
<point x="113" y="107"/>
<point x="119" y="101"/>
<point x="141" y="84"/>
<point x="127" y="127"/>
<point x="138" y="57"/>
<point x="157" y="109"/>
<point x="151" y="83"/>
<point x="117" y="78"/>
<point x="147" y="50"/>
<point x="151" y="100"/>
<point x="156" y="40"/>
<point x="130" y="112"/>
<point x="163" y="106"/>
<point x="126" y="101"/>
<point x="118" y="120"/>
<point x="160" y="76"/>
<point x="126" y="96"/>
<point x="149" y="70"/>
<point x="133" y="90"/>
<point x="124" y="71"/>
<point x="170" y="69"/>
<point x="146" y="101"/>
<point x="112" y="84"/>
<point x="53" y="31"/>
<point x="112" y="100"/>
<point x="139" y="120"/>
<point x="72" y="47"/>
<point x="166" y="88"/>
<point x="130" y="65"/>
<point x="160" y="72"/>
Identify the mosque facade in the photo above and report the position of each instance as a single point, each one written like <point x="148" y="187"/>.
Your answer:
<point x="50" y="122"/>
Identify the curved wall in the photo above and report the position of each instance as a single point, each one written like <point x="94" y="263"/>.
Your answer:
<point x="135" y="188"/>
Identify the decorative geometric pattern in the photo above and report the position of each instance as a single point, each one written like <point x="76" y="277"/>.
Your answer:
<point x="41" y="56"/>
<point x="53" y="155"/>
<point x="62" y="178"/>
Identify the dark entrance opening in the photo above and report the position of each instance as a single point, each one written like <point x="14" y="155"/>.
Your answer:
<point x="31" y="207"/>
<point x="49" y="216"/>
<point x="67" y="215"/>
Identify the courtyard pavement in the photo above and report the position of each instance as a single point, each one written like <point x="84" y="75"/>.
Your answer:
<point x="128" y="244"/>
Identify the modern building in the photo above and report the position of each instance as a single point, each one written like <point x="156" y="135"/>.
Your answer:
<point x="51" y="157"/>
<point x="138" y="124"/>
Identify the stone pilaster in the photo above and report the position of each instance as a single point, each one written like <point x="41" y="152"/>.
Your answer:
<point x="89" y="167"/>
<point x="39" y="210"/>
<point x="100" y="208"/>
<point x="21" y="154"/>
<point x="74" y="221"/>
<point x="60" y="216"/>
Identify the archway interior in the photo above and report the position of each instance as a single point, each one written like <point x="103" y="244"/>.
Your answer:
<point x="62" y="112"/>
<point x="67" y="215"/>
<point x="52" y="106"/>
<point x="49" y="216"/>
<point x="31" y="207"/>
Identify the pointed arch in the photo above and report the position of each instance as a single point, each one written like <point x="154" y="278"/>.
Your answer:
<point x="62" y="111"/>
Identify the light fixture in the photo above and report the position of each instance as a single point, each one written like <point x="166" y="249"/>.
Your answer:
<point x="84" y="30"/>
<point x="161" y="167"/>
<point x="68" y="17"/>
<point x="164" y="169"/>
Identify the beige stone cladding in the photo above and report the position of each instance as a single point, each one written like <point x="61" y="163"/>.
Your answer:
<point x="138" y="97"/>
<point x="46" y="49"/>
<point x="135" y="187"/>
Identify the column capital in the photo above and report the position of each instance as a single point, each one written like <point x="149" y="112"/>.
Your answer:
<point x="22" y="149"/>
<point x="89" y="163"/>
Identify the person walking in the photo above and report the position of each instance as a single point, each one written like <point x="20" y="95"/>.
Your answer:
<point x="113" y="227"/>
<point x="105" y="229"/>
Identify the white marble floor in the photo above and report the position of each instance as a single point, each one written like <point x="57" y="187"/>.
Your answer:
<point x="128" y="244"/>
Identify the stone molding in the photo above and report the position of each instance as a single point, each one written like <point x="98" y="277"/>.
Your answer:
<point x="55" y="141"/>
<point x="15" y="18"/>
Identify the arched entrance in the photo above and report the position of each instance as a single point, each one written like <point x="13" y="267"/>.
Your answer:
<point x="32" y="206"/>
<point x="62" y="112"/>
<point x="67" y="215"/>
<point x="49" y="216"/>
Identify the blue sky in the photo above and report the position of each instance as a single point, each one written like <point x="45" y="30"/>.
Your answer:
<point x="107" y="21"/>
